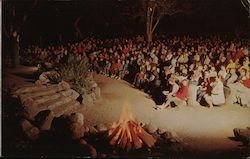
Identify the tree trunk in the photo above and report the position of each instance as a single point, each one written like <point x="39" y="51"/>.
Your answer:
<point x="149" y="33"/>
<point x="15" y="51"/>
<point x="149" y="37"/>
<point x="249" y="27"/>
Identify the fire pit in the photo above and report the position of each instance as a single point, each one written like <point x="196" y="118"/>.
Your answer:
<point x="128" y="134"/>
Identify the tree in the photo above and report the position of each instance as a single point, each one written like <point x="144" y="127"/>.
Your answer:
<point x="246" y="4"/>
<point x="13" y="24"/>
<point x="152" y="11"/>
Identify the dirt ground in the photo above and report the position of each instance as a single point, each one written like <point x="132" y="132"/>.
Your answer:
<point x="205" y="130"/>
<point x="209" y="131"/>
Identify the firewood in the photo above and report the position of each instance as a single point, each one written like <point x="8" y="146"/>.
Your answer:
<point x="146" y="138"/>
<point x="135" y="138"/>
<point x="114" y="131"/>
<point x="124" y="140"/>
<point x="121" y="136"/>
<point x="128" y="146"/>
<point x="115" y="138"/>
<point x="129" y="135"/>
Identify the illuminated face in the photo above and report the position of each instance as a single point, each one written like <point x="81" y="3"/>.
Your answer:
<point x="232" y="70"/>
<point x="14" y="34"/>
<point x="185" y="83"/>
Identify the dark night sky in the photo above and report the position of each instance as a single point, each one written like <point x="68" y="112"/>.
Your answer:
<point x="103" y="17"/>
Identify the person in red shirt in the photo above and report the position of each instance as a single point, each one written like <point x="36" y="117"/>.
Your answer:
<point x="180" y="96"/>
<point x="139" y="78"/>
<point x="239" y="54"/>
<point x="246" y="83"/>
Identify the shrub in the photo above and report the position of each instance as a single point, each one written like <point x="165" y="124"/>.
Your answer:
<point x="75" y="71"/>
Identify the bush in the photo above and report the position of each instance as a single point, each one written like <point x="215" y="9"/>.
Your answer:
<point x="76" y="73"/>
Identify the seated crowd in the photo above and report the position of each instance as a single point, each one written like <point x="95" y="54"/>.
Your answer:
<point x="174" y="71"/>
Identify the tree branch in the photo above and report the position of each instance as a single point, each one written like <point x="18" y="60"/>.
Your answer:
<point x="152" y="18"/>
<point x="76" y="26"/>
<point x="157" y="22"/>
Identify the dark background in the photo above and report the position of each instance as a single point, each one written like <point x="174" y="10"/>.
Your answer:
<point x="104" y="18"/>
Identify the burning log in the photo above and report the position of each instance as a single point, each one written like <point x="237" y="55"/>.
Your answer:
<point x="127" y="134"/>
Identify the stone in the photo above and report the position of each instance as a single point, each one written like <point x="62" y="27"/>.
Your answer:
<point x="93" y="96"/>
<point x="89" y="148"/>
<point x="46" y="77"/>
<point x="101" y="128"/>
<point x="60" y="127"/>
<point x="65" y="127"/>
<point x="32" y="133"/>
<point x="97" y="92"/>
<point x="94" y="85"/>
<point x="87" y="99"/>
<point x="92" y="130"/>
<point x="242" y="135"/>
<point x="77" y="131"/>
<point x="25" y="125"/>
<point x="44" y="119"/>
<point x="161" y="130"/>
<point x="150" y="128"/>
<point x="77" y="118"/>
<point x="86" y="129"/>
<point x="156" y="136"/>
<point x="171" y="137"/>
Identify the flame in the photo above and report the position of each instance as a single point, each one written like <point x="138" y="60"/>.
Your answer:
<point x="127" y="133"/>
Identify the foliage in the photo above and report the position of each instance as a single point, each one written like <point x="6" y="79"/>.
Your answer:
<point x="76" y="73"/>
<point x="152" y="11"/>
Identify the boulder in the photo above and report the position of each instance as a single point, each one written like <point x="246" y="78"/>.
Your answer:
<point x="89" y="148"/>
<point x="88" y="99"/>
<point x="25" y="125"/>
<point x="161" y="130"/>
<point x="70" y="127"/>
<point x="49" y="76"/>
<point x="97" y="92"/>
<point x="242" y="135"/>
<point x="44" y="119"/>
<point x="77" y="118"/>
<point x="150" y="128"/>
<point x="171" y="137"/>
<point x="92" y="130"/>
<point x="60" y="127"/>
<point x="101" y="128"/>
<point x="30" y="131"/>
<point x="93" y="96"/>
<point x="86" y="129"/>
<point x="76" y="131"/>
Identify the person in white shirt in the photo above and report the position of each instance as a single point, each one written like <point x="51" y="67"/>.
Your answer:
<point x="231" y="77"/>
<point x="212" y="72"/>
<point x="222" y="72"/>
<point x="175" y="88"/>
<point x="217" y="94"/>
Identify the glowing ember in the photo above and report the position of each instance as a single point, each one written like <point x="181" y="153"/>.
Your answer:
<point x="126" y="133"/>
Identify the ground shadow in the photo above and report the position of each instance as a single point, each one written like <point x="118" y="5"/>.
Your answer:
<point x="233" y="138"/>
<point x="25" y="75"/>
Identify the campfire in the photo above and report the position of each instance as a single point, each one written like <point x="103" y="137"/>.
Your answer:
<point x="128" y="134"/>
